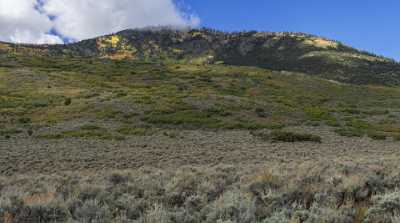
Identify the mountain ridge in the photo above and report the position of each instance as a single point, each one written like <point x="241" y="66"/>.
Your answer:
<point x="289" y="51"/>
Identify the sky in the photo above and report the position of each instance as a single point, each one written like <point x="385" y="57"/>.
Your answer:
<point x="372" y="25"/>
<point x="365" y="24"/>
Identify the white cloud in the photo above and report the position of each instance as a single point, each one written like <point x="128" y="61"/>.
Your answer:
<point x="20" y="21"/>
<point x="81" y="19"/>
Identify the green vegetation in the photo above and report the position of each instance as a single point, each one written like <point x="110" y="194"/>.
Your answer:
<point x="179" y="95"/>
<point x="7" y="133"/>
<point x="86" y="132"/>
<point x="282" y="136"/>
<point x="177" y="92"/>
<point x="349" y="132"/>
<point x="196" y="118"/>
<point x="286" y="136"/>
<point x="134" y="131"/>
<point x="377" y="136"/>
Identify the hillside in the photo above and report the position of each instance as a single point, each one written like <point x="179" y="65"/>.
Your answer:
<point x="198" y="126"/>
<point x="139" y="79"/>
<point x="102" y="99"/>
<point x="277" y="51"/>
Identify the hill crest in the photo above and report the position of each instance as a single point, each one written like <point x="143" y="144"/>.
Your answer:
<point x="289" y="51"/>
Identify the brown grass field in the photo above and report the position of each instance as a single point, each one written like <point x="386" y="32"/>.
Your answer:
<point x="200" y="176"/>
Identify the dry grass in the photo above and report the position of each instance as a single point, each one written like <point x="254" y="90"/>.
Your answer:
<point x="90" y="147"/>
<point x="311" y="192"/>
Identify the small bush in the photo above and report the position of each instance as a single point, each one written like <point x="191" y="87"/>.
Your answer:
<point x="350" y="132"/>
<point x="385" y="207"/>
<point x="40" y="103"/>
<point x="133" y="131"/>
<point x="30" y="132"/>
<point x="45" y="213"/>
<point x="91" y="211"/>
<point x="24" y="120"/>
<point x="376" y="112"/>
<point x="10" y="132"/>
<point x="188" y="117"/>
<point x="332" y="122"/>
<point x="67" y="101"/>
<point x="117" y="178"/>
<point x="358" y="124"/>
<point x="261" y="112"/>
<point x="377" y="136"/>
<point x="396" y="137"/>
<point x="101" y="134"/>
<point x="90" y="127"/>
<point x="282" y="136"/>
<point x="352" y="111"/>
<point x="317" y="113"/>
<point x="249" y="125"/>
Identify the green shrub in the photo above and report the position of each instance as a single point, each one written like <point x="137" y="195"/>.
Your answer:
<point x="317" y="113"/>
<point x="40" y="103"/>
<point x="51" y="136"/>
<point x="350" y="132"/>
<point x="135" y="131"/>
<point x="187" y="117"/>
<point x="30" y="132"/>
<point x="333" y="122"/>
<point x="247" y="125"/>
<point x="352" y="111"/>
<point x="377" y="136"/>
<point x="10" y="132"/>
<point x="376" y="112"/>
<point x="284" y="136"/>
<point x="396" y="137"/>
<point x="90" y="127"/>
<point x="24" y="120"/>
<point x="86" y="134"/>
<point x="358" y="124"/>
<point x="67" y="101"/>
<point x="9" y="103"/>
<point x="261" y="112"/>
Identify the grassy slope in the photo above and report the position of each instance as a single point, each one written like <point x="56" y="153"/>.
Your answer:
<point x="37" y="92"/>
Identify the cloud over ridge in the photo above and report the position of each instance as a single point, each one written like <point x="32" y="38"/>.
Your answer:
<point x="46" y="21"/>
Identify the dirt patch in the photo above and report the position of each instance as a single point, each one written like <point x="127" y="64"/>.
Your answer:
<point x="39" y="199"/>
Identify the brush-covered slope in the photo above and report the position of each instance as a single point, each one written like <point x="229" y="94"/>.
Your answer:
<point x="138" y="80"/>
<point x="277" y="51"/>
<point x="107" y="99"/>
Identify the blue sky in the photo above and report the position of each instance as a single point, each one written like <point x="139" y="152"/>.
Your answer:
<point x="372" y="25"/>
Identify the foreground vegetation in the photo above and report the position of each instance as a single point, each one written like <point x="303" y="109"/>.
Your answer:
<point x="317" y="192"/>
